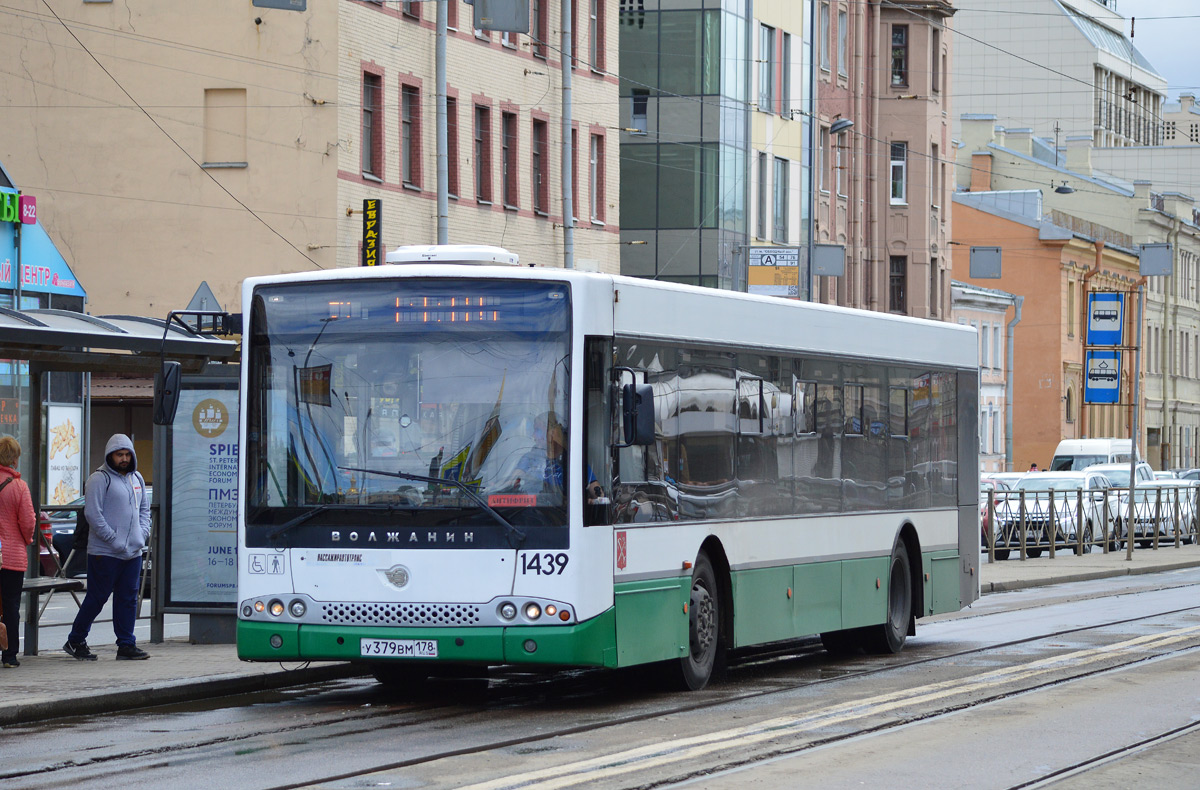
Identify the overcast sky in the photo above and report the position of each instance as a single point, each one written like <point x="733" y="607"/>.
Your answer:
<point x="1169" y="44"/>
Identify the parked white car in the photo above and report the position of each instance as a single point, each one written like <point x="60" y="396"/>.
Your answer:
<point x="1156" y="503"/>
<point x="1054" y="505"/>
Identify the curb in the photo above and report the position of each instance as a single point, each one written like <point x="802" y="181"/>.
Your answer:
<point x="173" y="692"/>
<point x="1083" y="576"/>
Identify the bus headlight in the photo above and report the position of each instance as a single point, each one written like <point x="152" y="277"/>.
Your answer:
<point x="507" y="610"/>
<point x="533" y="611"/>
<point x="259" y="606"/>
<point x="297" y="608"/>
<point x="276" y="608"/>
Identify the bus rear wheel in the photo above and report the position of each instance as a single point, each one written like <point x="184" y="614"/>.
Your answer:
<point x="695" y="668"/>
<point x="891" y="635"/>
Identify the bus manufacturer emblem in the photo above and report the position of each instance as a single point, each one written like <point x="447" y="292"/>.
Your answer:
<point x="622" y="555"/>
<point x="397" y="575"/>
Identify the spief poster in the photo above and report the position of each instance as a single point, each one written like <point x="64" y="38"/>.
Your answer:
<point x="203" y="555"/>
<point x="64" y="458"/>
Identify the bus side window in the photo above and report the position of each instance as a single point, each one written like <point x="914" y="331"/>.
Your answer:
<point x="597" y="432"/>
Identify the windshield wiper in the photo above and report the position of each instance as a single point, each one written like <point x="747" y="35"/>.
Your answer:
<point x="308" y="514"/>
<point x="515" y="536"/>
<point x="297" y="521"/>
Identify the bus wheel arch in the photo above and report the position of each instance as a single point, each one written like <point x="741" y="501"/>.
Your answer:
<point x="709" y="619"/>
<point x="912" y="545"/>
<point x="902" y="601"/>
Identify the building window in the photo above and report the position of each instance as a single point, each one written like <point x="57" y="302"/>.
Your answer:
<point x="1070" y="399"/>
<point x="766" y="69"/>
<point x="575" y="175"/>
<point x="410" y="135"/>
<point x="823" y="44"/>
<point x="1169" y="130"/>
<point x="760" y="224"/>
<point x="785" y="88"/>
<point x="452" y="146"/>
<point x="575" y="34"/>
<point x="372" y="126"/>
<point x="935" y="81"/>
<point x="483" y="154"/>
<point x="508" y="39"/>
<point x="225" y="126"/>
<point x="637" y="113"/>
<point x="596" y="34"/>
<point x="508" y="145"/>
<point x="410" y="9"/>
<point x="935" y="186"/>
<point x="838" y="167"/>
<point x="899" y="173"/>
<point x="781" y="201"/>
<point x="899" y="56"/>
<point x="540" y="11"/>
<point x="822" y="183"/>
<point x="897" y="283"/>
<point x="935" y="290"/>
<point x="452" y="14"/>
<point x="985" y="345"/>
<point x="843" y="37"/>
<point x="1070" y="308"/>
<point x="541" y="160"/>
<point x="596" y="178"/>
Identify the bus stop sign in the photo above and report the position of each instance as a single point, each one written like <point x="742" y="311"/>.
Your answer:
<point x="1106" y="312"/>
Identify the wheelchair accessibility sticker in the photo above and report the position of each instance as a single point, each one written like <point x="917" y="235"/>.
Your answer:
<point x="268" y="564"/>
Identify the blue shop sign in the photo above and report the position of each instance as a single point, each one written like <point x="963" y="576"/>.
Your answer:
<point x="42" y="268"/>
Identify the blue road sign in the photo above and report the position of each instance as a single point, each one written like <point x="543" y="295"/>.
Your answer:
<point x="1102" y="383"/>
<point x="1106" y="313"/>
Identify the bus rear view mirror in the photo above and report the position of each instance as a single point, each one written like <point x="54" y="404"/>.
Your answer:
<point x="166" y="393"/>
<point x="637" y="414"/>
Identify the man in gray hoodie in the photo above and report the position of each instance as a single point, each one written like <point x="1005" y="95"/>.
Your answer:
<point x="118" y="513"/>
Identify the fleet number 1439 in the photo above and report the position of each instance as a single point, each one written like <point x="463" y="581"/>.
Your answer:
<point x="546" y="563"/>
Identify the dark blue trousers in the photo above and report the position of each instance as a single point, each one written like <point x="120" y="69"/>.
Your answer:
<point x="109" y="576"/>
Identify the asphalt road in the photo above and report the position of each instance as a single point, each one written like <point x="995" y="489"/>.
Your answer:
<point x="1077" y="683"/>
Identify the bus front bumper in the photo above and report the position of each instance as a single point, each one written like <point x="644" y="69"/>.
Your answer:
<point x="590" y="643"/>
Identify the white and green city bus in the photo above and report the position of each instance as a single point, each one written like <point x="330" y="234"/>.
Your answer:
<point x="454" y="460"/>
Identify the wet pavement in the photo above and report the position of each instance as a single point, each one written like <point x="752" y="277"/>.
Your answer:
<point x="52" y="684"/>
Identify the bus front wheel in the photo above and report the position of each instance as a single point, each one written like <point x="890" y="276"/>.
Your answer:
<point x="704" y="627"/>
<point x="891" y="635"/>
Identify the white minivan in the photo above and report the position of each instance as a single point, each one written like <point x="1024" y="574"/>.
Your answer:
<point x="1078" y="454"/>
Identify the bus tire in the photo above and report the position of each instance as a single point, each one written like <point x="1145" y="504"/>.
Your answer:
<point x="891" y="635"/>
<point x="695" y="668"/>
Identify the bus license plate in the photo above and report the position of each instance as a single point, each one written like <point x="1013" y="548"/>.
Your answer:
<point x="399" y="648"/>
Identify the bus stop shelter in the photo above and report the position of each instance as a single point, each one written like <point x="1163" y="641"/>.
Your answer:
<point x="52" y="340"/>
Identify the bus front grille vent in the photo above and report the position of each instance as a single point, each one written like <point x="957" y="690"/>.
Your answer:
<point x="399" y="614"/>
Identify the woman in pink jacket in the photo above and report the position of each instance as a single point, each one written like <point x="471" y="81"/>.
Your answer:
<point x="17" y="523"/>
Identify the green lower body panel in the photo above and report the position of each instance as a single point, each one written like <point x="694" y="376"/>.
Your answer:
<point x="591" y="643"/>
<point x="648" y="621"/>
<point x="652" y="620"/>
<point x="942" y="590"/>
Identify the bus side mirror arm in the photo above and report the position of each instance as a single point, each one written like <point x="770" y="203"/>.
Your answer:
<point x="637" y="411"/>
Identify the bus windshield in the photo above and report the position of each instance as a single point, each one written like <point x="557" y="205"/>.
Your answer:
<point x="362" y="395"/>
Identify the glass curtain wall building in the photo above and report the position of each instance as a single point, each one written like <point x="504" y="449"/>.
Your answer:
<point x="685" y="87"/>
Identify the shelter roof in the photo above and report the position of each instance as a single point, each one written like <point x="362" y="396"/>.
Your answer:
<point x="65" y="340"/>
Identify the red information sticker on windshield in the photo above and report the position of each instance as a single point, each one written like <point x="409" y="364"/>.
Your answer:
<point x="512" y="500"/>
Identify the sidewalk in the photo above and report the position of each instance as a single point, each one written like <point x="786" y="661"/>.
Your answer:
<point x="52" y="684"/>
